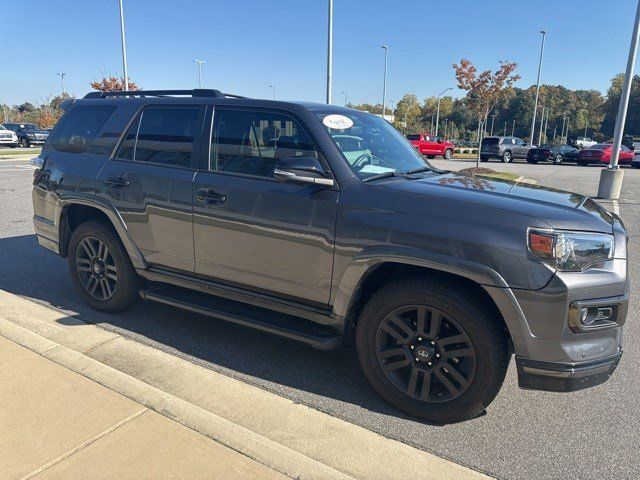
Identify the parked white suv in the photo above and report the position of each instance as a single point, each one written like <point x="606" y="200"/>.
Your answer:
<point x="8" y="138"/>
<point x="585" y="142"/>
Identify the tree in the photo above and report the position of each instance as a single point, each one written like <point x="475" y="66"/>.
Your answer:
<point x="112" y="84"/>
<point x="484" y="89"/>
<point x="408" y="113"/>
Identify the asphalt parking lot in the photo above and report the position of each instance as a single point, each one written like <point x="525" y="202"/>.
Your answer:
<point x="591" y="434"/>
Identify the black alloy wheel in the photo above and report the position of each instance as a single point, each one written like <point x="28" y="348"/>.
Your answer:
<point x="96" y="268"/>
<point x="425" y="354"/>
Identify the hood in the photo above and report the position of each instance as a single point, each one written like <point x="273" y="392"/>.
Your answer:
<point x="35" y="130"/>
<point x="558" y="208"/>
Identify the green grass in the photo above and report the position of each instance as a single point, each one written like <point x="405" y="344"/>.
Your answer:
<point x="10" y="152"/>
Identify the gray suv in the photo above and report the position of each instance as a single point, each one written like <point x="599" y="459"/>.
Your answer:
<point x="504" y="148"/>
<point x="253" y="212"/>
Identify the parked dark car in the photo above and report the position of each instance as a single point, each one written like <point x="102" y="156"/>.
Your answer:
<point x="28" y="133"/>
<point x="249" y="211"/>
<point x="552" y="153"/>
<point x="504" y="148"/>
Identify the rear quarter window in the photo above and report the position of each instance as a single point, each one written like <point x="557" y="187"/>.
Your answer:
<point x="78" y="130"/>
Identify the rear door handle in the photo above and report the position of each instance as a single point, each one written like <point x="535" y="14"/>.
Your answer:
<point x="209" y="196"/>
<point x="117" y="182"/>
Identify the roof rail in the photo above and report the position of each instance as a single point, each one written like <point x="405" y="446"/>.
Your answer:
<point x="198" y="92"/>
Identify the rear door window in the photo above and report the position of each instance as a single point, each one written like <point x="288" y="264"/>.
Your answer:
<point x="162" y="135"/>
<point x="78" y="129"/>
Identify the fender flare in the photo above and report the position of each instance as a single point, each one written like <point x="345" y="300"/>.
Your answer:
<point x="112" y="215"/>
<point x="346" y="291"/>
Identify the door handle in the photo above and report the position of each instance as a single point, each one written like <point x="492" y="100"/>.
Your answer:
<point x="209" y="196"/>
<point x="117" y="182"/>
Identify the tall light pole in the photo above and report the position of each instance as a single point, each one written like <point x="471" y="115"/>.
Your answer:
<point x="329" y="52"/>
<point x="555" y="129"/>
<point x="438" y="109"/>
<point x="124" y="49"/>
<point x="541" y="127"/>
<point x="273" y="86"/>
<point x="564" y="121"/>
<point x="586" y="125"/>
<point x="505" y="129"/>
<point x="4" y="111"/>
<point x="61" y="75"/>
<point x="345" y="98"/>
<point x="611" y="177"/>
<point x="200" y="63"/>
<point x="384" y="83"/>
<point x="513" y="127"/>
<point x="535" y="104"/>
<point x="493" y="119"/>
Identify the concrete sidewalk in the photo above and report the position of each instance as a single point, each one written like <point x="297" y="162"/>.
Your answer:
<point x="55" y="423"/>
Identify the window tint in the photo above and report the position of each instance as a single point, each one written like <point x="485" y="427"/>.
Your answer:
<point x="250" y="142"/>
<point x="161" y="135"/>
<point x="79" y="128"/>
<point x="413" y="137"/>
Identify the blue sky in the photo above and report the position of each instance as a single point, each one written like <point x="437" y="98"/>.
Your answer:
<point x="249" y="45"/>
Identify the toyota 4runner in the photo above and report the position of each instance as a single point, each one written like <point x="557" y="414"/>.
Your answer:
<point x="320" y="224"/>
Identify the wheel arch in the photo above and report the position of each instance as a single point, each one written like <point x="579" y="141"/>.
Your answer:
<point x="489" y="286"/>
<point x="75" y="212"/>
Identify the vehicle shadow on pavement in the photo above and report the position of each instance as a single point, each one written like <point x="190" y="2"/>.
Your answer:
<point x="280" y="365"/>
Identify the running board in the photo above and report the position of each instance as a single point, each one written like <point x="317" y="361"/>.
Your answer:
<point x="288" y="326"/>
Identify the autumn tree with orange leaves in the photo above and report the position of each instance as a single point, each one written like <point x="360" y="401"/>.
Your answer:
<point x="484" y="89"/>
<point x="112" y="84"/>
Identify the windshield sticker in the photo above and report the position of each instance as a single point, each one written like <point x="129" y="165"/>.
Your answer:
<point x="337" y="122"/>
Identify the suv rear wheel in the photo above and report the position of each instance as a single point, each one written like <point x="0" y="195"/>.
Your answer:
<point x="506" y="157"/>
<point x="432" y="348"/>
<point x="101" y="269"/>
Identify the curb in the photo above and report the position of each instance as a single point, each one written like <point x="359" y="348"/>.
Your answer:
<point x="267" y="452"/>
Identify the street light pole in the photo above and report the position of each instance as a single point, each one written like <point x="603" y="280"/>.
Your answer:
<point x="62" y="80"/>
<point x="611" y="177"/>
<point x="384" y="84"/>
<point x="535" y="104"/>
<point x="493" y="119"/>
<point x="329" y="52"/>
<point x="505" y="129"/>
<point x="438" y="109"/>
<point x="513" y="127"/>
<point x="541" y="127"/>
<point x="200" y="62"/>
<point x="345" y="98"/>
<point x="274" y="90"/>
<point x="564" y="121"/>
<point x="124" y="48"/>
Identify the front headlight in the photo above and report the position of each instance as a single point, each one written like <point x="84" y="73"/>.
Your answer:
<point x="571" y="251"/>
<point x="31" y="135"/>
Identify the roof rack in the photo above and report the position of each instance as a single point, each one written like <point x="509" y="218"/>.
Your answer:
<point x="198" y="92"/>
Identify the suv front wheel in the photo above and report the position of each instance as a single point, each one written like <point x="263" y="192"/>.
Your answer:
<point x="432" y="348"/>
<point x="101" y="269"/>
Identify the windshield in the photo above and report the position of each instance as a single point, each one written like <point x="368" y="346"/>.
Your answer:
<point x="413" y="136"/>
<point x="379" y="148"/>
<point x="600" y="146"/>
<point x="490" y="141"/>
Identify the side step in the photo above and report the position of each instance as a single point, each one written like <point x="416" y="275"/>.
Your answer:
<point x="288" y="326"/>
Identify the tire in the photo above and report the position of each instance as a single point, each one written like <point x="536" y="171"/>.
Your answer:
<point x="447" y="154"/>
<point x="431" y="157"/>
<point x="480" y="367"/>
<point x="583" y="163"/>
<point x="557" y="160"/>
<point x="24" y="143"/>
<point x="108" y="295"/>
<point x="533" y="162"/>
<point x="484" y="159"/>
<point x="506" y="157"/>
<point x="12" y="146"/>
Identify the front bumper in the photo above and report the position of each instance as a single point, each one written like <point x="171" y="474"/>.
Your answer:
<point x="8" y="143"/>
<point x="562" y="377"/>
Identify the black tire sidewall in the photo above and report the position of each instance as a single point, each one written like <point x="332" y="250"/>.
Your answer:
<point x="487" y="379"/>
<point x="128" y="281"/>
<point x="506" y="157"/>
<point x="556" y="161"/>
<point x="448" y="154"/>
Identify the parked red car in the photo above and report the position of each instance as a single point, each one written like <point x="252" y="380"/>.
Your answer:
<point x="432" y="146"/>
<point x="601" y="153"/>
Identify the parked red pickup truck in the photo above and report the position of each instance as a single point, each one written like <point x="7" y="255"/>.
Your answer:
<point x="432" y="146"/>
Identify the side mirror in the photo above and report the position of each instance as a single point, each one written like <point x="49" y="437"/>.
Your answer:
<point x="302" y="170"/>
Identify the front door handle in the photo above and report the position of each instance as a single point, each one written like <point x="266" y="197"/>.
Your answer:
<point x="117" y="182"/>
<point x="209" y="196"/>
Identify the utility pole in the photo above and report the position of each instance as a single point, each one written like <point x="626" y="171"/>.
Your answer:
<point x="611" y="177"/>
<point x="61" y="75"/>
<point x="438" y="109"/>
<point x="274" y="90"/>
<point x="384" y="84"/>
<point x="200" y="63"/>
<point x="535" y="105"/>
<point x="329" y="52"/>
<point x="345" y="98"/>
<point x="124" y="48"/>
